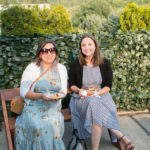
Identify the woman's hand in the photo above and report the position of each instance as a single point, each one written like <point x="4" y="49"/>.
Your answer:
<point x="80" y="92"/>
<point x="96" y="95"/>
<point x="77" y="90"/>
<point x="46" y="99"/>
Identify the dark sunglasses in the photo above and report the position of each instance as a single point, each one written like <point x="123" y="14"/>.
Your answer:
<point x="45" y="51"/>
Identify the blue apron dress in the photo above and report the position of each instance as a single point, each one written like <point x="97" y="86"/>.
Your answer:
<point x="41" y="124"/>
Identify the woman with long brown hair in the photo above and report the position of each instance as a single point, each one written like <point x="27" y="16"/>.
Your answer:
<point x="92" y="107"/>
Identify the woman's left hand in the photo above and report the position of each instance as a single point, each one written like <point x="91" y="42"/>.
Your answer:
<point x="46" y="99"/>
<point x="96" y="95"/>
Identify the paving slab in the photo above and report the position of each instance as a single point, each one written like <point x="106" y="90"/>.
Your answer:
<point x="3" y="142"/>
<point x="134" y="132"/>
<point x="105" y="141"/>
<point x="144" y="121"/>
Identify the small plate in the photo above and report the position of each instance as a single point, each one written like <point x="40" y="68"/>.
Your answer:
<point x="59" y="95"/>
<point x="89" y="91"/>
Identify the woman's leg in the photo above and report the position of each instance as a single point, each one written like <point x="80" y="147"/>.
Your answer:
<point x="123" y="139"/>
<point x="96" y="136"/>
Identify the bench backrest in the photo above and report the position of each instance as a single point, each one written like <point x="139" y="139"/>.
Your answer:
<point x="7" y="95"/>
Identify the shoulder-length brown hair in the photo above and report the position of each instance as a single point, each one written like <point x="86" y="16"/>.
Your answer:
<point x="97" y="57"/>
<point x="40" y="47"/>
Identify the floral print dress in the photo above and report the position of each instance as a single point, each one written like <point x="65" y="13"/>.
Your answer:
<point x="41" y="124"/>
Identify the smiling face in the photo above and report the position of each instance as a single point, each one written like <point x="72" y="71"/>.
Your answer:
<point x="49" y="57"/>
<point x="88" y="47"/>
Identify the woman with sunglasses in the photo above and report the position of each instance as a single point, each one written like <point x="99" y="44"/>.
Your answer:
<point x="43" y="84"/>
<point x="91" y="105"/>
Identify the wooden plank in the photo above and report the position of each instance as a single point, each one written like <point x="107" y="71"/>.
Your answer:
<point x="10" y="93"/>
<point x="8" y="134"/>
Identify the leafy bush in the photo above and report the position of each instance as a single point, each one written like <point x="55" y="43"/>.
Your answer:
<point x="20" y="21"/>
<point x="101" y="8"/>
<point x="55" y="20"/>
<point x="135" y="18"/>
<point x="111" y="25"/>
<point x="92" y="23"/>
<point x="147" y="17"/>
<point x="131" y="67"/>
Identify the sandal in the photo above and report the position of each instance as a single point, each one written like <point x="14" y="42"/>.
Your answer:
<point x="120" y="143"/>
<point x="126" y="145"/>
<point x="116" y="144"/>
<point x="131" y="147"/>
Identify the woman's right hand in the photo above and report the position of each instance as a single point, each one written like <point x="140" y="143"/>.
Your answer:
<point x="80" y="92"/>
<point x="77" y="90"/>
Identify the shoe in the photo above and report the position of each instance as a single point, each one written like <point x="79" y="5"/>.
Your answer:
<point x="116" y="144"/>
<point x="122" y="147"/>
<point x="127" y="145"/>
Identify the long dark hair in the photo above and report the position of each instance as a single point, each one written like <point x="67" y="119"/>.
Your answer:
<point x="40" y="46"/>
<point x="97" y="57"/>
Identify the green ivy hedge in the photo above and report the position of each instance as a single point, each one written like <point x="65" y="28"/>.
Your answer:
<point x="129" y="55"/>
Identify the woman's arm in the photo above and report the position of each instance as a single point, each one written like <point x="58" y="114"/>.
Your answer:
<point x="33" y="95"/>
<point x="108" y="78"/>
<point x="29" y="75"/>
<point x="104" y="90"/>
<point x="76" y="89"/>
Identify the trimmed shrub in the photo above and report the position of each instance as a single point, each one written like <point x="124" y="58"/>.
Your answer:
<point x="54" y="20"/>
<point x="20" y="21"/>
<point x="135" y="18"/>
<point x="147" y="17"/>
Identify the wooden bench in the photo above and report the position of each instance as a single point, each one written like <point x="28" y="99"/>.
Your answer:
<point x="6" y="96"/>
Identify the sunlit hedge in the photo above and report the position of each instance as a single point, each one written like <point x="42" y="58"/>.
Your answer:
<point x="129" y="57"/>
<point x="18" y="20"/>
<point x="134" y="18"/>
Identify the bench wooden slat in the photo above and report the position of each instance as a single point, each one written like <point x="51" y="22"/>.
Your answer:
<point x="10" y="93"/>
<point x="7" y="95"/>
<point x="8" y="133"/>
